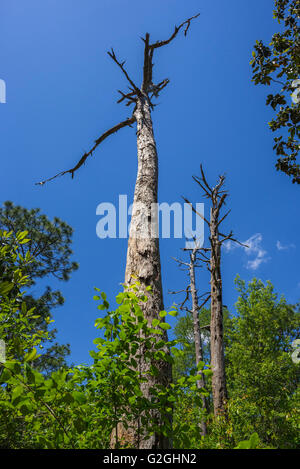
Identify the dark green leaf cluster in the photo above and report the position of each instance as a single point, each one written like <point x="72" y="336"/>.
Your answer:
<point x="279" y="63"/>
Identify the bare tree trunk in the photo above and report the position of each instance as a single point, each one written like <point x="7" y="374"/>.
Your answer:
<point x="197" y="333"/>
<point x="143" y="258"/>
<point x="216" y="325"/>
<point x="217" y="197"/>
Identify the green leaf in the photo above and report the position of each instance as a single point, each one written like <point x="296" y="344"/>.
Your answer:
<point x="30" y="356"/>
<point x="79" y="397"/>
<point x="173" y="313"/>
<point x="18" y="391"/>
<point x="163" y="314"/>
<point x="165" y="326"/>
<point x="155" y="322"/>
<point x="5" y="287"/>
<point x="21" y="235"/>
<point x="5" y="376"/>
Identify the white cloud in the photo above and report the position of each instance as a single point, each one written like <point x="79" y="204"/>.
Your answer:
<point x="254" y="250"/>
<point x="282" y="247"/>
<point x="229" y="245"/>
<point x="255" y="263"/>
<point x="254" y="244"/>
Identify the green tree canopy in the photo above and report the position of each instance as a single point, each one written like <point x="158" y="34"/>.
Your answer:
<point x="262" y="380"/>
<point x="279" y="63"/>
<point x="49" y="241"/>
<point x="49" y="248"/>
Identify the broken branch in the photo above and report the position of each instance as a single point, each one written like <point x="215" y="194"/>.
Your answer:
<point x="176" y="31"/>
<point x="121" y="65"/>
<point x="82" y="160"/>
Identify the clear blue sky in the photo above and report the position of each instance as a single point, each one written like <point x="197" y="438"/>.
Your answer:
<point x="61" y="95"/>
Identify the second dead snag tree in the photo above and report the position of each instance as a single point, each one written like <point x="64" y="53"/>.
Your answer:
<point x="143" y="257"/>
<point x="217" y="198"/>
<point x="191" y="289"/>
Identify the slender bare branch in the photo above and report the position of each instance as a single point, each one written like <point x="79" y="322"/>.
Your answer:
<point x="121" y="65"/>
<point x="176" y="31"/>
<point x="204" y="302"/>
<point x="156" y="89"/>
<point x="195" y="211"/>
<point x="204" y="179"/>
<point x="229" y="237"/>
<point x="177" y="292"/>
<point x="223" y="218"/>
<point x="147" y="65"/>
<point x="130" y="96"/>
<point x="203" y="294"/>
<point x="181" y="262"/>
<point x="197" y="180"/>
<point x="127" y="122"/>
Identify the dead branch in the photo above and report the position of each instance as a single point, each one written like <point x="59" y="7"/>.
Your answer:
<point x="176" y="31"/>
<point x="223" y="218"/>
<point x="194" y="210"/>
<point x="204" y="302"/>
<point x="204" y="179"/>
<point x="121" y="65"/>
<point x="205" y="327"/>
<point x="156" y="89"/>
<point x="127" y="122"/>
<point x="130" y="96"/>
<point x="229" y="237"/>
<point x="197" y="180"/>
<point x="134" y="94"/>
<point x="187" y="291"/>
<point x="180" y="262"/>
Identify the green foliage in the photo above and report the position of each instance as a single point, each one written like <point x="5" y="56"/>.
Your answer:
<point x="48" y="241"/>
<point x="80" y="407"/>
<point x="184" y="335"/>
<point x="252" y="443"/>
<point x="279" y="63"/>
<point x="16" y="320"/>
<point x="48" y="244"/>
<point x="262" y="380"/>
<point x="16" y="330"/>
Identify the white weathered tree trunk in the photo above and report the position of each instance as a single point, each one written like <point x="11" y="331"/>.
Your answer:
<point x="143" y="257"/>
<point x="197" y="333"/>
<point x="216" y="238"/>
<point x="216" y="325"/>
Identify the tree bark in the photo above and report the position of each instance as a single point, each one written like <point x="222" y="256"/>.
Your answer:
<point x="216" y="325"/>
<point x="143" y="260"/>
<point x="217" y="197"/>
<point x="197" y="333"/>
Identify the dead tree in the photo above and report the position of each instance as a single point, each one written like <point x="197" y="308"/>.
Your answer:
<point x="191" y="289"/>
<point x="217" y="198"/>
<point x="143" y="257"/>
